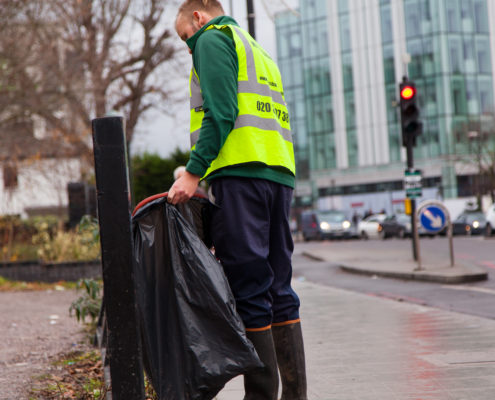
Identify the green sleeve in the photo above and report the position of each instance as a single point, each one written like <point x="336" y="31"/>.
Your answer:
<point x="215" y="60"/>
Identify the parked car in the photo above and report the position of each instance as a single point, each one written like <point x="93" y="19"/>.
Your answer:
<point x="397" y="225"/>
<point x="490" y="221"/>
<point x="318" y="225"/>
<point x="370" y="227"/>
<point x="469" y="223"/>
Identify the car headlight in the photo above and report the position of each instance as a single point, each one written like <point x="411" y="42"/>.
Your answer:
<point x="325" y="226"/>
<point x="346" y="224"/>
<point x="476" y="224"/>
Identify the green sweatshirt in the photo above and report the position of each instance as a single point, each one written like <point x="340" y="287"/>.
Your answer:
<point x="215" y="61"/>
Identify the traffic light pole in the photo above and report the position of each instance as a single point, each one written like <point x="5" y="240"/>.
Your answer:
<point x="411" y="127"/>
<point x="410" y="166"/>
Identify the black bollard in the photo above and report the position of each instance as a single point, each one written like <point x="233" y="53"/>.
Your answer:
<point x="114" y="215"/>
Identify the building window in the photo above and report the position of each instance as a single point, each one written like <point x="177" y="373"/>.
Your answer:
<point x="386" y="24"/>
<point x="483" y="55"/>
<point x="413" y="25"/>
<point x="429" y="67"/>
<point x="345" y="33"/>
<point x="388" y="63"/>
<point x="9" y="177"/>
<point x="455" y="55"/>
<point x="466" y="10"/>
<point x="343" y="6"/>
<point x="481" y="16"/>
<point x="347" y="71"/>
<point x="452" y="16"/>
<point x="472" y="95"/>
<point x="295" y="48"/>
<point x="430" y="98"/>
<point x="415" y="48"/>
<point x="350" y="111"/>
<point x="425" y="10"/>
<point x="459" y="97"/>
<point x="486" y="99"/>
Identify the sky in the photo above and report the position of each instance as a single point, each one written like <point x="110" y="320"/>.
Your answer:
<point x="162" y="134"/>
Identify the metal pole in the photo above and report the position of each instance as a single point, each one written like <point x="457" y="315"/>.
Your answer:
<point x="451" y="242"/>
<point x="250" y="17"/>
<point x="416" y="242"/>
<point x="112" y="184"/>
<point x="414" y="225"/>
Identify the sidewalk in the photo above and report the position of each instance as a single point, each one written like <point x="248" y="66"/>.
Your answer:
<point x="365" y="348"/>
<point x="396" y="262"/>
<point x="34" y="328"/>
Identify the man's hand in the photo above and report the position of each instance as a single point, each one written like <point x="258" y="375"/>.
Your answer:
<point x="183" y="188"/>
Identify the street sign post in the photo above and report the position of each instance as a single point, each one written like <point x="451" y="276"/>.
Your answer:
<point x="433" y="217"/>
<point x="412" y="183"/>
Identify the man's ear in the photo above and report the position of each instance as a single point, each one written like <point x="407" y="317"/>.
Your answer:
<point x="201" y="17"/>
<point x="197" y="17"/>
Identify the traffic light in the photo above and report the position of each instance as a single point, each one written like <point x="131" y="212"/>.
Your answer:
<point x="411" y="126"/>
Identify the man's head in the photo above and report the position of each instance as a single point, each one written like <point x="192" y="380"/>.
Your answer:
<point x="194" y="14"/>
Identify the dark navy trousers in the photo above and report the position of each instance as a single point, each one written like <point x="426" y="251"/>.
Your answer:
<point x="252" y="238"/>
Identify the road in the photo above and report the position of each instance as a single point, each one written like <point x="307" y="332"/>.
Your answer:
<point x="473" y="298"/>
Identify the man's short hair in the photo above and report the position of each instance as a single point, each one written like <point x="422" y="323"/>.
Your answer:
<point x="212" y="7"/>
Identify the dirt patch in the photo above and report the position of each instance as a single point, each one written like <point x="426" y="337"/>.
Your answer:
<point x="35" y="326"/>
<point x="76" y="375"/>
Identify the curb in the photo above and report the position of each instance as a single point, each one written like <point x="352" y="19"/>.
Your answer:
<point x="312" y="256"/>
<point x="474" y="275"/>
<point x="423" y="276"/>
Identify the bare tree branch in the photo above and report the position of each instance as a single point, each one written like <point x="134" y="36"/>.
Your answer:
<point x="68" y="61"/>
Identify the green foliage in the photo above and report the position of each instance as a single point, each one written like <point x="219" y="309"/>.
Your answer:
<point x="89" y="304"/>
<point x="16" y="235"/>
<point x="152" y="174"/>
<point x="81" y="244"/>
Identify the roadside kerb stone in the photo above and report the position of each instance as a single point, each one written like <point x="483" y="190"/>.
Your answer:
<point x="393" y="265"/>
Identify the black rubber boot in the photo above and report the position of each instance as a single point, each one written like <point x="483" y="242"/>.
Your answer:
<point x="291" y="363"/>
<point x="262" y="384"/>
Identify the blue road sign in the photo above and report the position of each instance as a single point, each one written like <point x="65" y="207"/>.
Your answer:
<point x="432" y="218"/>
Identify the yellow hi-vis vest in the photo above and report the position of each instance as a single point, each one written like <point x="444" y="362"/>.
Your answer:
<point x="261" y="131"/>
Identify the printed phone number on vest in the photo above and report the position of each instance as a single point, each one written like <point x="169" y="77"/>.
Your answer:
<point x="267" y="107"/>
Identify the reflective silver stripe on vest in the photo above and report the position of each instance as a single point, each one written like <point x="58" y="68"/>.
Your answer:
<point x="250" y="65"/>
<point x="252" y="85"/>
<point x="268" y="124"/>
<point x="195" y="136"/>
<point x="196" y="99"/>
<point x="243" y="121"/>
<point x="257" y="88"/>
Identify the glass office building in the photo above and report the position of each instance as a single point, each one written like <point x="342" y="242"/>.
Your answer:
<point x="342" y="61"/>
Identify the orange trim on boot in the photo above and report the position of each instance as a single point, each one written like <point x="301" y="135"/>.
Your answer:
<point x="264" y="328"/>
<point x="294" y="321"/>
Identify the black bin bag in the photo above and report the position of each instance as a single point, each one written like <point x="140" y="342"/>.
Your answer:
<point x="193" y="338"/>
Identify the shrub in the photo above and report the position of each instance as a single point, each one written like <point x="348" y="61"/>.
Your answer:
<point x="152" y="174"/>
<point x="89" y="304"/>
<point x="16" y="235"/>
<point x="81" y="244"/>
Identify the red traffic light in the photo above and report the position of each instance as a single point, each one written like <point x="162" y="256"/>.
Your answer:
<point x="407" y="92"/>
